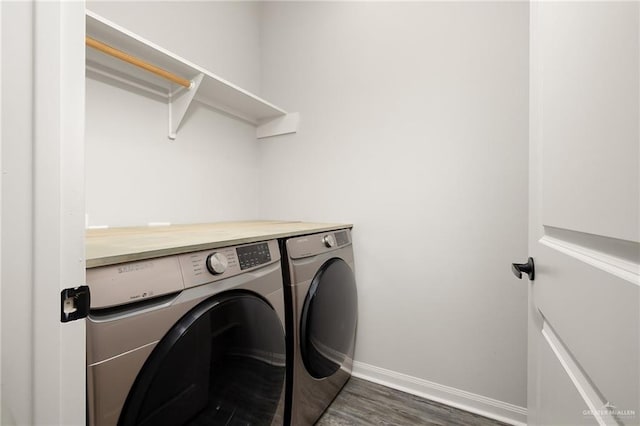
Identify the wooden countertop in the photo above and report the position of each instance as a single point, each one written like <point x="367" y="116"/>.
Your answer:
<point x="117" y="245"/>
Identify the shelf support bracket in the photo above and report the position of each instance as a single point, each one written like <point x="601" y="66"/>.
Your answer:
<point x="179" y="103"/>
<point x="282" y="125"/>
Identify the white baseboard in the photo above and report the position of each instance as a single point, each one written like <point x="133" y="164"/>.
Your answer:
<point x="478" y="404"/>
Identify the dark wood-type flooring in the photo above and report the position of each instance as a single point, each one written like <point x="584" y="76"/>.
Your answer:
<point x="366" y="403"/>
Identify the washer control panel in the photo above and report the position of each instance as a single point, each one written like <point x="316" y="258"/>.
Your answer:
<point x="212" y="265"/>
<point x="131" y="282"/>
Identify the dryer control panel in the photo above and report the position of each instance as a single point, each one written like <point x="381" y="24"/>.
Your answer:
<point x="311" y="245"/>
<point x="211" y="265"/>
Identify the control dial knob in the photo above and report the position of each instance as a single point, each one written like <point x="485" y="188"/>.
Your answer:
<point x="217" y="263"/>
<point x="329" y="241"/>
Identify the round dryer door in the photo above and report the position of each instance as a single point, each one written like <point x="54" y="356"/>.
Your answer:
<point x="329" y="315"/>
<point x="222" y="363"/>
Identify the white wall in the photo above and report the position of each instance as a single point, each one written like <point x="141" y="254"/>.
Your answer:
<point x="135" y="174"/>
<point x="414" y="128"/>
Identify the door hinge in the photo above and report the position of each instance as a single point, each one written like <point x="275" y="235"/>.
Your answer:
<point x="74" y="303"/>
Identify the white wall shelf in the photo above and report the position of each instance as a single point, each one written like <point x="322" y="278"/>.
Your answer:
<point x="206" y="87"/>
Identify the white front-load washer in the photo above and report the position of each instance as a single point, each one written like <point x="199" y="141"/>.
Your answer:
<point x="322" y="302"/>
<point x="195" y="338"/>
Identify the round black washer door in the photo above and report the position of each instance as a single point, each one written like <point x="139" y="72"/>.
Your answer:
<point x="329" y="316"/>
<point x="222" y="363"/>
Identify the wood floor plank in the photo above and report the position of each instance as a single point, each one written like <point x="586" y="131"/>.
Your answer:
<point x="364" y="403"/>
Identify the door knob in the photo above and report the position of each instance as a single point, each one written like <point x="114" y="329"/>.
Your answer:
<point x="528" y="268"/>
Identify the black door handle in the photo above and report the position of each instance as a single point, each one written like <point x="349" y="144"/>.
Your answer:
<point x="528" y="268"/>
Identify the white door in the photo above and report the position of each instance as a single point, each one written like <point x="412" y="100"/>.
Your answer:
<point x="584" y="303"/>
<point x="42" y="211"/>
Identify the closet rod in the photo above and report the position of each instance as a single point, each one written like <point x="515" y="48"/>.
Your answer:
<point x="105" y="48"/>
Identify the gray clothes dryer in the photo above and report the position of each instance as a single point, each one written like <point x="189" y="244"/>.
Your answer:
<point x="196" y="338"/>
<point x="322" y="310"/>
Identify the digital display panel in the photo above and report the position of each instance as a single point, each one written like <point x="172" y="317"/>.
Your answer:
<point x="253" y="255"/>
<point x="342" y="238"/>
